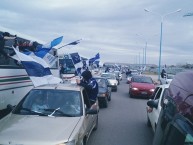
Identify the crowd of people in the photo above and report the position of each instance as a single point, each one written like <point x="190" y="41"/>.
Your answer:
<point x="23" y="45"/>
<point x="3" y="38"/>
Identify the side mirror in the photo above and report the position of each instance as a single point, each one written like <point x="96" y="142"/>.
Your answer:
<point x="152" y="103"/>
<point x="10" y="107"/>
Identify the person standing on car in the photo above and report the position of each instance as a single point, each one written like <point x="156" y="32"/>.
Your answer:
<point x="90" y="84"/>
<point x="3" y="38"/>
<point x="163" y="73"/>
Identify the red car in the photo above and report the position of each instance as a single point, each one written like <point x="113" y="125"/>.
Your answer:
<point x="141" y="86"/>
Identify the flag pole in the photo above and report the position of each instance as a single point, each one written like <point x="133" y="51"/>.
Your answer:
<point x="72" y="43"/>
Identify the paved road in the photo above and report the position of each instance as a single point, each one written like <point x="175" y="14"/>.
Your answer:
<point x="123" y="122"/>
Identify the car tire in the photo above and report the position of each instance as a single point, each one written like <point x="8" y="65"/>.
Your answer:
<point x="116" y="89"/>
<point x="130" y="95"/>
<point x="148" y="122"/>
<point x="96" y="125"/>
<point x="109" y="98"/>
<point x="105" y="103"/>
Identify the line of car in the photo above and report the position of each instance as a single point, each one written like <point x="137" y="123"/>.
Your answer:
<point x="108" y="82"/>
<point x="67" y="117"/>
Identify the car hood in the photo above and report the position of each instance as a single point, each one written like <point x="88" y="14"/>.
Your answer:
<point x="143" y="85"/>
<point x="26" y="129"/>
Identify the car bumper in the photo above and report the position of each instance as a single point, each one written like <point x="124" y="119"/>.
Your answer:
<point x="142" y="94"/>
<point x="114" y="87"/>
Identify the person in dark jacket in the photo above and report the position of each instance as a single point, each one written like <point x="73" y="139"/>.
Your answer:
<point x="90" y="84"/>
<point x="163" y="73"/>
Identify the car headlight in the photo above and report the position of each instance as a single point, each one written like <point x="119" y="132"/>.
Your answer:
<point x="68" y="143"/>
<point x="135" y="89"/>
<point x="151" y="90"/>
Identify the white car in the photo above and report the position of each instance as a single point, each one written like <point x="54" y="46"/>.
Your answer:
<point x="113" y="83"/>
<point x="118" y="74"/>
<point x="154" y="106"/>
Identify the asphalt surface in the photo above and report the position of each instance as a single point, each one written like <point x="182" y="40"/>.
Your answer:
<point x="123" y="122"/>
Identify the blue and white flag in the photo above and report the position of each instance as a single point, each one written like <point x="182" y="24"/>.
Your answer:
<point x="53" y="43"/>
<point x="76" y="59"/>
<point x="47" y="57"/>
<point x="96" y="58"/>
<point x="44" y="51"/>
<point x="37" y="69"/>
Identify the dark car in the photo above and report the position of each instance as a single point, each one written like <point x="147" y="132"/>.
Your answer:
<point x="175" y="123"/>
<point x="141" y="86"/>
<point x="104" y="95"/>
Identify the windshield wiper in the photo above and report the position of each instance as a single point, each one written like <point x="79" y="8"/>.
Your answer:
<point x="51" y="115"/>
<point x="34" y="112"/>
<point x="58" y="111"/>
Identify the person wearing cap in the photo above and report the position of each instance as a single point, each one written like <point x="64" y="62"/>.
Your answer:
<point x="3" y="38"/>
<point x="90" y="84"/>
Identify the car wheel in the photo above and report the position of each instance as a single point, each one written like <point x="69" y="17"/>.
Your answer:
<point x="130" y="95"/>
<point x="96" y="125"/>
<point x="116" y="89"/>
<point x="109" y="98"/>
<point x="105" y="103"/>
<point x="148" y="122"/>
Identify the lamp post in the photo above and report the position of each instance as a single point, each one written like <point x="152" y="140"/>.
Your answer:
<point x="145" y="49"/>
<point x="160" y="50"/>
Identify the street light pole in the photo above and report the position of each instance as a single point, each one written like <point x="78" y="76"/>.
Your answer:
<point x="160" y="50"/>
<point x="145" y="49"/>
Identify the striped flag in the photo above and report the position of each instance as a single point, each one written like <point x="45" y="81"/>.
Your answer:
<point x="37" y="69"/>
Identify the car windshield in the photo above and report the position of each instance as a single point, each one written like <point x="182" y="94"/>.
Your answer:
<point x="109" y="76"/>
<point x="101" y="82"/>
<point x="51" y="103"/>
<point x="142" y="80"/>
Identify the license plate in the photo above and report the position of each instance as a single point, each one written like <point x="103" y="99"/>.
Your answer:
<point x="144" y="93"/>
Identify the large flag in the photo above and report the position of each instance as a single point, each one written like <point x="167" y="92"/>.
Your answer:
<point x="37" y="69"/>
<point x="45" y="51"/>
<point x="76" y="59"/>
<point x="96" y="58"/>
<point x="51" y="44"/>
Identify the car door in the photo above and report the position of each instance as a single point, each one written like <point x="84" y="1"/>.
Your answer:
<point x="153" y="116"/>
<point x="88" y="119"/>
<point x="108" y="87"/>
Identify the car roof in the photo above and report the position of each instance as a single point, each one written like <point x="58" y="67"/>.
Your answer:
<point x="164" y="86"/>
<point x="141" y="76"/>
<point x="99" y="77"/>
<point x="61" y="86"/>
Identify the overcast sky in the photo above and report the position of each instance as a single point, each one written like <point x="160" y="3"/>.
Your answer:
<point x="117" y="29"/>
